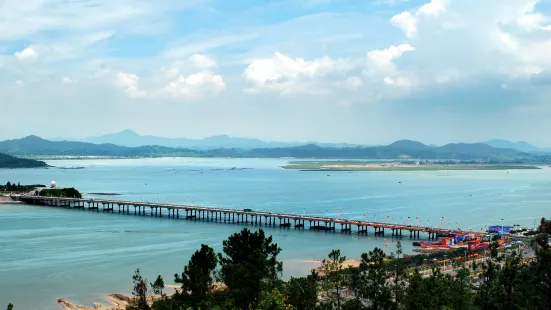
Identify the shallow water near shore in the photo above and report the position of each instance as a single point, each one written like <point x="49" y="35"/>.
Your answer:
<point x="49" y="253"/>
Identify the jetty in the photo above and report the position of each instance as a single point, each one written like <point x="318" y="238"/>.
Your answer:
<point x="245" y="216"/>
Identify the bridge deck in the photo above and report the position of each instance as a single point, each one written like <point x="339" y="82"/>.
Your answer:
<point x="320" y="222"/>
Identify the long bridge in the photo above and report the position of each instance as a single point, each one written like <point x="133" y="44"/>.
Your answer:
<point x="245" y="216"/>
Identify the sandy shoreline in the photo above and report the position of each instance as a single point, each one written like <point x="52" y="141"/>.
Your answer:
<point x="120" y="301"/>
<point x="6" y="200"/>
<point x="398" y="166"/>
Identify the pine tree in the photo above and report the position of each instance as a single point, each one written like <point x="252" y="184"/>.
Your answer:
<point x="140" y="293"/>
<point x="249" y="265"/>
<point x="334" y="276"/>
<point x="158" y="285"/>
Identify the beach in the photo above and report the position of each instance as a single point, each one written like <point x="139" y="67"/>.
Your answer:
<point x="7" y="200"/>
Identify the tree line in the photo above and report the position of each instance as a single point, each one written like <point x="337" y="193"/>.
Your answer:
<point x="18" y="187"/>
<point x="247" y="275"/>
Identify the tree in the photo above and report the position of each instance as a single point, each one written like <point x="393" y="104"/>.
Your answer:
<point x="158" y="285"/>
<point x="10" y="307"/>
<point x="140" y="293"/>
<point x="334" y="276"/>
<point x="166" y="303"/>
<point x="355" y="278"/>
<point x="377" y="291"/>
<point x="398" y="272"/>
<point x="462" y="296"/>
<point x="272" y="300"/>
<point x="302" y="293"/>
<point x="197" y="277"/>
<point x="415" y="292"/>
<point x="248" y="265"/>
<point x="486" y="292"/>
<point x="542" y="268"/>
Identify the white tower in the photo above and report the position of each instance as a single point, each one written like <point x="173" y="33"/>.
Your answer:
<point x="53" y="184"/>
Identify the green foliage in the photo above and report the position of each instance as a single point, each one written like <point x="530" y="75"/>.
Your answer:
<point x="166" y="303"/>
<point x="7" y="161"/>
<point x="158" y="286"/>
<point x="197" y="278"/>
<point x="302" y="293"/>
<point x="398" y="271"/>
<point x="61" y="192"/>
<point x="12" y="187"/>
<point x="334" y="276"/>
<point x="272" y="300"/>
<point x="376" y="290"/>
<point x="140" y="293"/>
<point x="414" y="296"/>
<point x="10" y="307"/>
<point x="249" y="265"/>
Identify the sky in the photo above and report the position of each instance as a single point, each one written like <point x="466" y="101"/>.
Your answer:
<point x="356" y="71"/>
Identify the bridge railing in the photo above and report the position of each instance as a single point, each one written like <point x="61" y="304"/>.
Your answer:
<point x="254" y="213"/>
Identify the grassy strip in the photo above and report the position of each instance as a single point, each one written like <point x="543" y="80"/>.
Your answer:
<point x="351" y="167"/>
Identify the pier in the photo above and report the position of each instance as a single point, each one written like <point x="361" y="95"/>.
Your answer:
<point x="246" y="216"/>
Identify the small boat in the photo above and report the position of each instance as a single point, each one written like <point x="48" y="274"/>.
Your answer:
<point x="416" y="243"/>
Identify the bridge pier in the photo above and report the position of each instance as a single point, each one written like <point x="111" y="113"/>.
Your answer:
<point x="379" y="231"/>
<point x="245" y="217"/>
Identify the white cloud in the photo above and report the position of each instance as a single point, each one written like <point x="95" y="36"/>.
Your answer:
<point x="354" y="82"/>
<point x="195" y="85"/>
<point x="499" y="38"/>
<point x="405" y="22"/>
<point x="434" y="8"/>
<point x="284" y="74"/>
<point x="383" y="59"/>
<point x="129" y="83"/>
<point x="67" y="80"/>
<point x="193" y="64"/>
<point x="23" y="19"/>
<point x="40" y="53"/>
<point x="202" y="62"/>
<point x="399" y="81"/>
<point x="29" y="54"/>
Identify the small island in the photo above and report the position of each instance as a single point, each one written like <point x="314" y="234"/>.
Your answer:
<point x="15" y="190"/>
<point x="11" y="162"/>
<point x="401" y="166"/>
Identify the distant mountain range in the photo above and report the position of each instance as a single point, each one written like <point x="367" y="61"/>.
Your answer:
<point x="132" y="139"/>
<point x="522" y="146"/>
<point x="33" y="145"/>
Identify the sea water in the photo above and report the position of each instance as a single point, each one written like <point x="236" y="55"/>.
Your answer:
<point x="49" y="253"/>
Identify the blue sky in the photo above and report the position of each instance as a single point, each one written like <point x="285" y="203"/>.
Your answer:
<point x="354" y="71"/>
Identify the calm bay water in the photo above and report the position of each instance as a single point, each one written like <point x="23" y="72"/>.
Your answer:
<point x="50" y="253"/>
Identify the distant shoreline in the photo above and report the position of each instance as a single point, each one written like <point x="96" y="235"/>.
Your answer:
<point x="394" y="166"/>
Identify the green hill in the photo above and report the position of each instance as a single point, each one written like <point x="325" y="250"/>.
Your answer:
<point x="402" y="149"/>
<point x="7" y="161"/>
